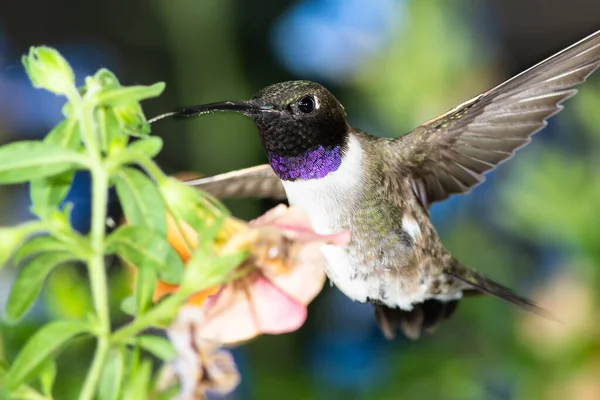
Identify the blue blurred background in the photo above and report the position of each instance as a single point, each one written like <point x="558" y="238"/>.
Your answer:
<point x="534" y="225"/>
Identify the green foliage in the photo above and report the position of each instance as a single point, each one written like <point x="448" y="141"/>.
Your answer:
<point x="11" y="238"/>
<point x="112" y="376"/>
<point x="27" y="160"/>
<point x="146" y="248"/>
<point x="158" y="346"/>
<point x="142" y="204"/>
<point x="105" y="132"/>
<point x="41" y="345"/>
<point x="138" y="385"/>
<point x="29" y="282"/>
<point x="48" y="193"/>
<point x="47" y="376"/>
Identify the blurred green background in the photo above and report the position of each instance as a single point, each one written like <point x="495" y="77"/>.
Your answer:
<point x="534" y="225"/>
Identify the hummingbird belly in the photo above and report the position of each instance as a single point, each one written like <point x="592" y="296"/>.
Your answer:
<point x="382" y="263"/>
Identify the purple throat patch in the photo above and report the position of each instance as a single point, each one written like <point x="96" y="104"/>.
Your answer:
<point x="312" y="164"/>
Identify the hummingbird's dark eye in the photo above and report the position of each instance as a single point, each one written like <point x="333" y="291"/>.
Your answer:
<point x="306" y="104"/>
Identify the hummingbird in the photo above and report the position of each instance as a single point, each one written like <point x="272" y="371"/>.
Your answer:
<point x="381" y="189"/>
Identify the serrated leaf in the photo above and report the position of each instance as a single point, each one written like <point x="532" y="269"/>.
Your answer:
<point x="146" y="282"/>
<point x="47" y="376"/>
<point x="141" y="201"/>
<point x="145" y="248"/>
<point x="149" y="146"/>
<point x="126" y="95"/>
<point x="112" y="375"/>
<point x="29" y="282"/>
<point x="39" y="244"/>
<point x="28" y="160"/>
<point x="139" y="383"/>
<point x="42" y="344"/>
<point x="158" y="346"/>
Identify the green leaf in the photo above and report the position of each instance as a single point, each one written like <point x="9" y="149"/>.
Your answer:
<point x="39" y="244"/>
<point x="49" y="192"/>
<point x="205" y="270"/>
<point x="158" y="346"/>
<point x="139" y="383"/>
<point x="112" y="375"/>
<point x="47" y="376"/>
<point x="113" y="138"/>
<point x="124" y="96"/>
<point x="199" y="210"/>
<point x="149" y="146"/>
<point x="141" y="201"/>
<point x="29" y="282"/>
<point x="146" y="249"/>
<point x="146" y="282"/>
<point x="65" y="134"/>
<point x="48" y="70"/>
<point x="128" y="306"/>
<point x="10" y="239"/>
<point x="132" y="361"/>
<point x="41" y="345"/>
<point x="29" y="160"/>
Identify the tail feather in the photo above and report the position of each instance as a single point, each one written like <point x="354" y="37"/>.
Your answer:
<point x="428" y="315"/>
<point x="482" y="284"/>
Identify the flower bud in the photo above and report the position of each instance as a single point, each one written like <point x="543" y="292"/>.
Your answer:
<point x="48" y="70"/>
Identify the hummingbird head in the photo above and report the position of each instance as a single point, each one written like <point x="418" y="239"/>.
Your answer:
<point x="302" y="127"/>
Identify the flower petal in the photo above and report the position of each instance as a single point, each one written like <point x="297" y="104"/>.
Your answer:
<point x="249" y="307"/>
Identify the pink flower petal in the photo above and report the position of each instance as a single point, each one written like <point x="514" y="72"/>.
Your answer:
<point x="249" y="307"/>
<point x="289" y="274"/>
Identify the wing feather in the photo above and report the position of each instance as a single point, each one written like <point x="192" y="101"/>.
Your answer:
<point x="259" y="182"/>
<point x="450" y="154"/>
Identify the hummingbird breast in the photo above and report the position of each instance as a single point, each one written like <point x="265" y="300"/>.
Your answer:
<point x="384" y="261"/>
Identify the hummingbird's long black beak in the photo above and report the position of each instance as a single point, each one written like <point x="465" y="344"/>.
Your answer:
<point x="243" y="107"/>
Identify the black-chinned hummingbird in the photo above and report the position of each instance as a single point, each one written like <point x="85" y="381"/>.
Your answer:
<point x="381" y="189"/>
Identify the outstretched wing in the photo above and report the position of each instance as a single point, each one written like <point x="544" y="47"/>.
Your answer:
<point x="259" y="181"/>
<point x="451" y="153"/>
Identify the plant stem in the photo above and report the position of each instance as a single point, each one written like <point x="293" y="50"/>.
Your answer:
<point x="96" y="267"/>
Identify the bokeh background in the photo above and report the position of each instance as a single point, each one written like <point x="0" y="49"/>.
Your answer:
<point x="534" y="225"/>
